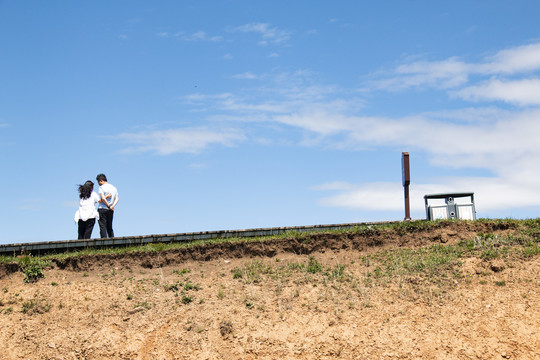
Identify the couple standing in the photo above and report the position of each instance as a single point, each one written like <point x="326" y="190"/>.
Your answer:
<point x="86" y="215"/>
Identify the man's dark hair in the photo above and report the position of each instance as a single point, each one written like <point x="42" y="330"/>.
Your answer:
<point x="101" y="177"/>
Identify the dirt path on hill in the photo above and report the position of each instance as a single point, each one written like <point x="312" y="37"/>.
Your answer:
<point x="326" y="297"/>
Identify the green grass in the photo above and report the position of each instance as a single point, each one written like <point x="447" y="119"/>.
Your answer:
<point x="252" y="272"/>
<point x="157" y="247"/>
<point x="37" y="305"/>
<point x="32" y="267"/>
<point x="523" y="242"/>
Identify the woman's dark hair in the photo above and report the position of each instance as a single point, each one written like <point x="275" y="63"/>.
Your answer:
<point x="86" y="190"/>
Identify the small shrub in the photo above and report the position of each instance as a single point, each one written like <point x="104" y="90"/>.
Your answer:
<point x="8" y="311"/>
<point x="189" y="286"/>
<point x="490" y="253"/>
<point x="237" y="273"/>
<point x="338" y="272"/>
<point x="313" y="266"/>
<point x="173" y="287"/>
<point x="531" y="249"/>
<point x="181" y="272"/>
<point x="37" y="305"/>
<point x="32" y="268"/>
<point x="144" y="305"/>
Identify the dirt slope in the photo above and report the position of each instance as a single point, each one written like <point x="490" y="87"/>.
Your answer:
<point x="324" y="297"/>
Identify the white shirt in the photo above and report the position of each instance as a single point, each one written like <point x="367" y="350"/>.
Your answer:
<point x="87" y="208"/>
<point x="107" y="189"/>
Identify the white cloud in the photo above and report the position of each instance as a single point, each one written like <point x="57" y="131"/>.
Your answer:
<point x="492" y="144"/>
<point x="520" y="92"/>
<point x="246" y="76"/>
<point x="502" y="141"/>
<point x="487" y="137"/>
<point x="268" y="33"/>
<point x="453" y="72"/>
<point x="191" y="37"/>
<point x="490" y="194"/>
<point x="187" y="140"/>
<point x="514" y="60"/>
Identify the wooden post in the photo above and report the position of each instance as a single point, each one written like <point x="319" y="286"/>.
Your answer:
<point x="406" y="175"/>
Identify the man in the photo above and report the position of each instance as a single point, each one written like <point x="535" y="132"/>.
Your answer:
<point x="109" y="199"/>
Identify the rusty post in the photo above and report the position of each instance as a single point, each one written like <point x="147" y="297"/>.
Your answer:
<point x="406" y="175"/>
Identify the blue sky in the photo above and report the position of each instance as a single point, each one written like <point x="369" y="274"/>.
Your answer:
<point x="213" y="115"/>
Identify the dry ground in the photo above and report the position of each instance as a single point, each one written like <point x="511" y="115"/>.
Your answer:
<point x="326" y="297"/>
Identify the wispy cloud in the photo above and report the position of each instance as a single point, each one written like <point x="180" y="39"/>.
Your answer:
<point x="501" y="141"/>
<point x="520" y="92"/>
<point x="267" y="32"/>
<point x="246" y="76"/>
<point x="520" y="59"/>
<point x="490" y="194"/>
<point x="183" y="140"/>
<point x="453" y="73"/>
<point x="191" y="37"/>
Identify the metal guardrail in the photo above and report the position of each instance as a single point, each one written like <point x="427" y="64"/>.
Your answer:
<point x="73" y="245"/>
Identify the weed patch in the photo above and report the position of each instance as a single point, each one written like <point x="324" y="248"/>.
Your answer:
<point x="37" y="305"/>
<point x="32" y="267"/>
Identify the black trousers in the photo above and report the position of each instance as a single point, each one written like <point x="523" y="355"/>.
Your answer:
<point x="105" y="223"/>
<point x="85" y="228"/>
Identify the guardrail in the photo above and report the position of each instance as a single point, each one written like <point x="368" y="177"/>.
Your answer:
<point x="73" y="245"/>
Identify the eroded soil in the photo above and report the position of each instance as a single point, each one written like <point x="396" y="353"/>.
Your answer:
<point x="325" y="297"/>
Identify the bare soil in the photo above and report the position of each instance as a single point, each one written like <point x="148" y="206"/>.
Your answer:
<point x="261" y="300"/>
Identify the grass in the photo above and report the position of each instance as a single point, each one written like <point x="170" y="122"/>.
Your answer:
<point x="425" y="273"/>
<point x="32" y="267"/>
<point x="37" y="305"/>
<point x="399" y="227"/>
<point x="427" y="262"/>
<point x="220" y="294"/>
<point x="186" y="299"/>
<point x="530" y="227"/>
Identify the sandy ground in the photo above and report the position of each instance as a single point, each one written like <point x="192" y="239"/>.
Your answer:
<point x="260" y="301"/>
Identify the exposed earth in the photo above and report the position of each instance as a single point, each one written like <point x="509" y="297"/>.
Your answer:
<point x="326" y="296"/>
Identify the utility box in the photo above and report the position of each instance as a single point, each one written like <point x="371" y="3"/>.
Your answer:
<point x="451" y="209"/>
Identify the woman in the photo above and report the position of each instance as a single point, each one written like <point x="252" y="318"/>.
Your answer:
<point x="87" y="213"/>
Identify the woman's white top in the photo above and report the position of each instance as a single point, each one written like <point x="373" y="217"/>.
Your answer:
<point x="87" y="208"/>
